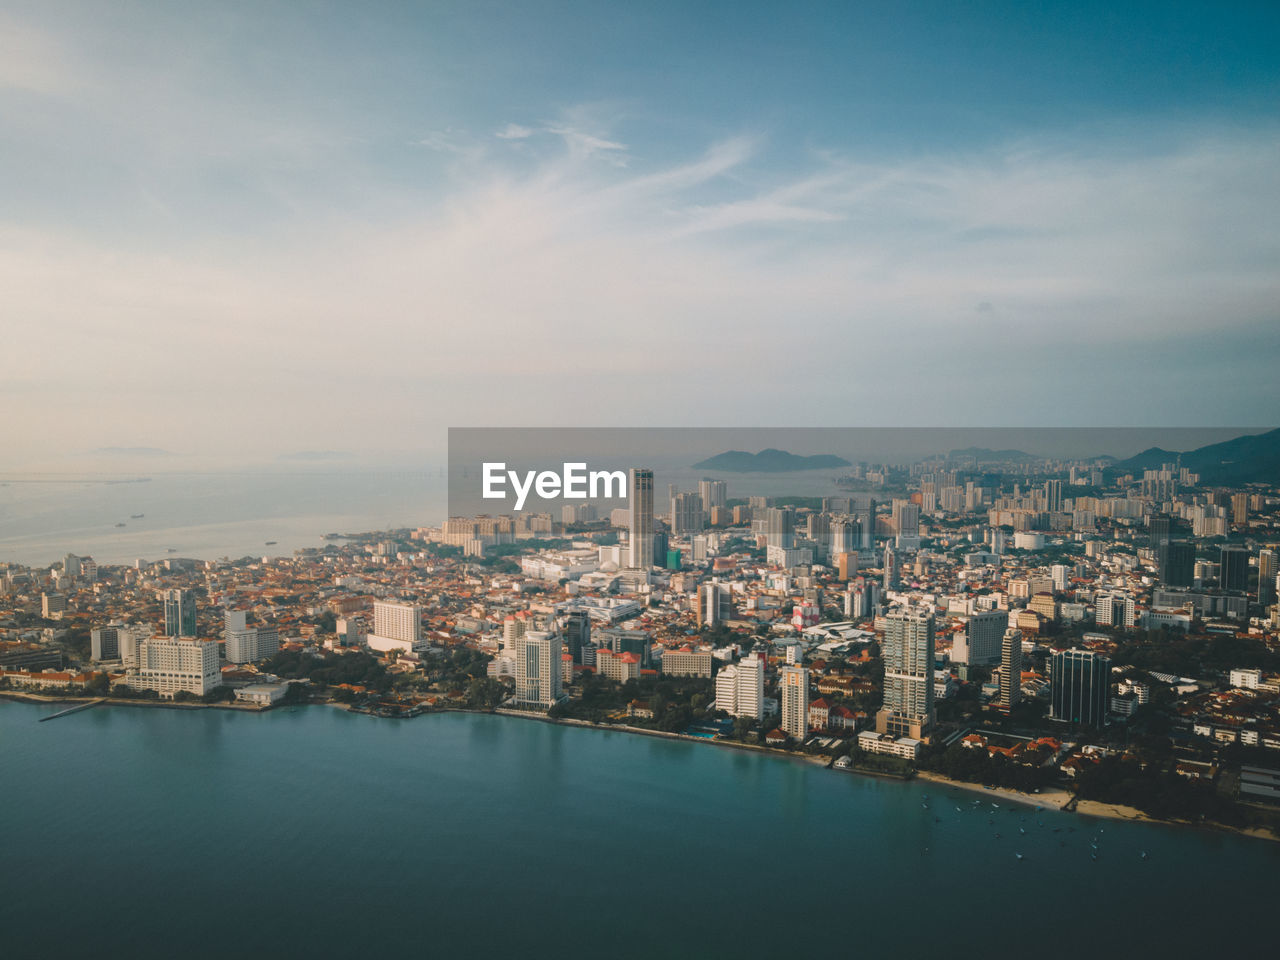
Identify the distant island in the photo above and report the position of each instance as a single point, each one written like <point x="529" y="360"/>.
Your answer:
<point x="769" y="461"/>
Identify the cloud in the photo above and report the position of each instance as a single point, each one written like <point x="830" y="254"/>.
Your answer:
<point x="513" y="131"/>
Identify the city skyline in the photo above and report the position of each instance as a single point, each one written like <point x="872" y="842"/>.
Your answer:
<point x="992" y="198"/>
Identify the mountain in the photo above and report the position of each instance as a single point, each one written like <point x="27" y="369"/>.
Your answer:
<point x="769" y="461"/>
<point x="1248" y="459"/>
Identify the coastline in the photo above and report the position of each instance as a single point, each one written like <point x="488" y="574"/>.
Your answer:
<point x="1055" y="798"/>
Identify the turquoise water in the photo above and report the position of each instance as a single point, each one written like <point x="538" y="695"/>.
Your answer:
<point x="151" y="832"/>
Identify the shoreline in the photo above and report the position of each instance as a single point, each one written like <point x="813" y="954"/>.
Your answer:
<point x="1056" y="798"/>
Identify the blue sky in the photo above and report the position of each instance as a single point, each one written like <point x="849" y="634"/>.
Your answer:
<point x="379" y="220"/>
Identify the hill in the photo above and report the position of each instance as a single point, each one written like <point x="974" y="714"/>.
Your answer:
<point x="1253" y="458"/>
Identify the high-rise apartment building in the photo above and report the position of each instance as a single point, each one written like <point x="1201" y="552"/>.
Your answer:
<point x="740" y="688"/>
<point x="714" y="493"/>
<point x="246" y="644"/>
<point x="908" y="652"/>
<point x="1010" y="669"/>
<point x="640" y="517"/>
<point x="793" y="692"/>
<point x="686" y="514"/>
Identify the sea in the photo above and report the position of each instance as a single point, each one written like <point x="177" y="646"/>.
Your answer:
<point x="119" y="518"/>
<point x="312" y="832"/>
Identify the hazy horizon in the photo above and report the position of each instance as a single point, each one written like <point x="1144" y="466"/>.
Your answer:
<point x="244" y="229"/>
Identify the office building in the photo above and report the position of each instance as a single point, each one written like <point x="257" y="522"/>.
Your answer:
<point x="908" y="652"/>
<point x="1079" y="682"/>
<point x="983" y="636"/>
<point x="1175" y="563"/>
<point x="1160" y="527"/>
<point x="715" y="604"/>
<point x="577" y="633"/>
<point x="640" y="517"/>
<point x="793" y="687"/>
<point x="1234" y="567"/>
<point x="52" y="605"/>
<point x="890" y="569"/>
<point x="1267" y="572"/>
<point x="538" y="669"/>
<point x="179" y="613"/>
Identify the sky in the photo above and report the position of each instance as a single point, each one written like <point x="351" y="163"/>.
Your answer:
<point x="251" y="230"/>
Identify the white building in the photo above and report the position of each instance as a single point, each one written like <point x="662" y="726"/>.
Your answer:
<point x="168" y="665"/>
<point x="1114" y="610"/>
<point x="245" y="644"/>
<point x="538" y="668"/>
<point x="396" y="626"/>
<point x="740" y="688"/>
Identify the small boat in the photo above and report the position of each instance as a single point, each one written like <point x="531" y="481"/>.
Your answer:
<point x="173" y="550"/>
<point x="997" y="837"/>
<point x="1018" y="855"/>
<point x="137" y="516"/>
<point x="1144" y="855"/>
<point x="1021" y="831"/>
<point x="121" y="524"/>
<point x="272" y="543"/>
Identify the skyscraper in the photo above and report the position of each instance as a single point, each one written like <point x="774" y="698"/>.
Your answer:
<point x="793" y="685"/>
<point x="640" y="516"/>
<point x="1267" y="577"/>
<point x="1053" y="495"/>
<point x="577" y="633"/>
<point x="1175" y="563"/>
<point x="779" y="527"/>
<point x="179" y="613"/>
<point x="1160" y="526"/>
<point x="1079" y="682"/>
<point x="538" y="668"/>
<point x="1235" y="568"/>
<point x="890" y="569"/>
<point x="983" y="635"/>
<point x="714" y="493"/>
<point x="1010" y="669"/>
<point x="686" y="514"/>
<point x="908" y="652"/>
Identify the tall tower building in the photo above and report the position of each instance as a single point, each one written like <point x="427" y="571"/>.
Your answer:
<point x="1010" y="669"/>
<point x="714" y="493"/>
<point x="793" y="685"/>
<point x="983" y="635"/>
<point x="890" y="569"/>
<point x="577" y="633"/>
<point x="640" y="515"/>
<point x="1053" y="495"/>
<point x="908" y="652"/>
<point x="1160" y="526"/>
<point x="686" y="514"/>
<point x="1267" y="568"/>
<point x="179" y="613"/>
<point x="1175" y="563"/>
<point x="1235" y="568"/>
<point x="396" y="626"/>
<point x="779" y="527"/>
<point x="538" y="669"/>
<point x="1079" y="681"/>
